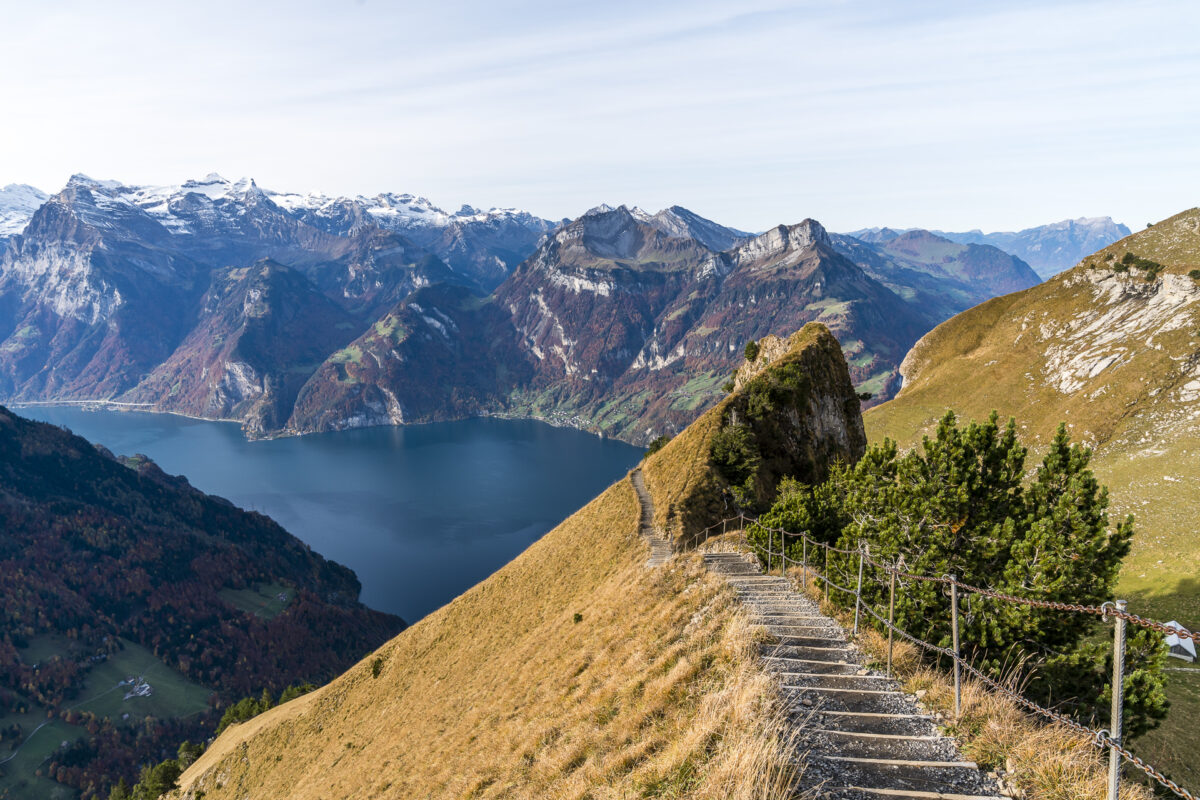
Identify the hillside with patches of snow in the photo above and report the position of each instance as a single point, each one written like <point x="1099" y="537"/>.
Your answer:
<point x="18" y="201"/>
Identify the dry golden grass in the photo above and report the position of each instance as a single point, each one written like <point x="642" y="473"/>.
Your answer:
<point x="656" y="692"/>
<point x="680" y="469"/>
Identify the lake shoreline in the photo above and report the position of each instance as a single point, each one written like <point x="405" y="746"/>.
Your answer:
<point x="419" y="512"/>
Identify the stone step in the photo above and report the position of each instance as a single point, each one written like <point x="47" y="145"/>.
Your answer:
<point x="925" y="748"/>
<point x="803" y="698"/>
<point x="780" y="666"/>
<point x="904" y="776"/>
<point x="831" y="652"/>
<point x="801" y="630"/>
<point x="810" y="641"/>
<point x="826" y="680"/>
<point x="881" y="723"/>
<point x="862" y="793"/>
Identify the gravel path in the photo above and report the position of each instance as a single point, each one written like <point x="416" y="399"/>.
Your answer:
<point x="660" y="547"/>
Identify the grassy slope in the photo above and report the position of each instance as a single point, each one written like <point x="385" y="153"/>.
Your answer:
<point x="1136" y="413"/>
<point x="655" y="691"/>
<point x="501" y="693"/>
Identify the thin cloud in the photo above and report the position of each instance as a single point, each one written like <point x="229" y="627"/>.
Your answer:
<point x="948" y="115"/>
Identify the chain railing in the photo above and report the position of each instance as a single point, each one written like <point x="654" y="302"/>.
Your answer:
<point x="1112" y="740"/>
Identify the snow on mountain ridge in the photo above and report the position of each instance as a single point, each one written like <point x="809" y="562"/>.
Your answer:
<point x="391" y="210"/>
<point x="18" y="201"/>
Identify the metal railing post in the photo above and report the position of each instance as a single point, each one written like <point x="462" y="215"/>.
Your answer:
<point x="954" y="639"/>
<point x="891" y="619"/>
<point x="1118" y="704"/>
<point x="804" y="563"/>
<point x="770" y="541"/>
<point x="826" y="573"/>
<point x="858" y="591"/>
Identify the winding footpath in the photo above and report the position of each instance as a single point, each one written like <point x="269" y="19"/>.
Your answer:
<point x="660" y="548"/>
<point x="859" y="736"/>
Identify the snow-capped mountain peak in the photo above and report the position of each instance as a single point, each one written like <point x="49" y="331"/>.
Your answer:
<point x="18" y="201"/>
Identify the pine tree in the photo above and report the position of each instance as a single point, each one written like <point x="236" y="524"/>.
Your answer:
<point x="958" y="506"/>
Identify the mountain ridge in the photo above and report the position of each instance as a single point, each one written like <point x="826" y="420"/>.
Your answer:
<point x="1049" y="248"/>
<point x="620" y="321"/>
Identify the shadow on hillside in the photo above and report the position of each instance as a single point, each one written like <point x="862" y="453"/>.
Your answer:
<point x="1182" y="603"/>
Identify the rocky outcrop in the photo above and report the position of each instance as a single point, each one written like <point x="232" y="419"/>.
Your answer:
<point x="793" y="412"/>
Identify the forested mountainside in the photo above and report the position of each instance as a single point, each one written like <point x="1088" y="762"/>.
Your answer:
<point x="115" y="572"/>
<point x="1111" y="348"/>
<point x="574" y="671"/>
<point x="294" y="313"/>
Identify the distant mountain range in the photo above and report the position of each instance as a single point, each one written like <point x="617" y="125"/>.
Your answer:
<point x="1049" y="249"/>
<point x="296" y="313"/>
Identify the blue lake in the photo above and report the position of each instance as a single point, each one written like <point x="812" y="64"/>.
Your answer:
<point x="420" y="513"/>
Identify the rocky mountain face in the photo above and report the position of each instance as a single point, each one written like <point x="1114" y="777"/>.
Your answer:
<point x="442" y="353"/>
<point x="680" y="222"/>
<point x="261" y="332"/>
<point x="107" y="282"/>
<point x="614" y="324"/>
<point x="1049" y="249"/>
<point x="482" y="246"/>
<point x="92" y="296"/>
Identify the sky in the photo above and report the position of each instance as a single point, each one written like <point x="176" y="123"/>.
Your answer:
<point x="946" y="115"/>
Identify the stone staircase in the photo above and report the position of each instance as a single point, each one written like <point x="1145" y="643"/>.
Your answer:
<point x="860" y="737"/>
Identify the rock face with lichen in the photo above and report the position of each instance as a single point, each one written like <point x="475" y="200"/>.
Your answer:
<point x="793" y="412"/>
<point x="823" y="424"/>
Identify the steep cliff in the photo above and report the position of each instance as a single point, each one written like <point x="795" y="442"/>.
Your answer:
<point x="262" y="331"/>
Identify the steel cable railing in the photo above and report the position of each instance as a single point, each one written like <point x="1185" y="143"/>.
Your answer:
<point x="1103" y="739"/>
